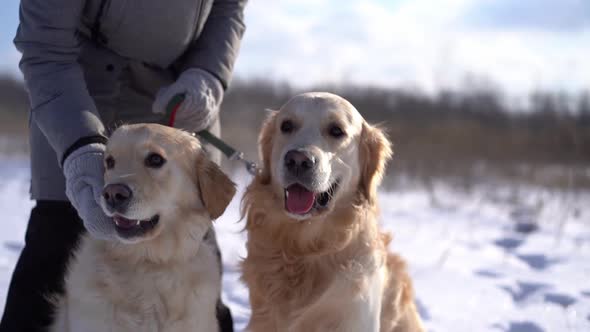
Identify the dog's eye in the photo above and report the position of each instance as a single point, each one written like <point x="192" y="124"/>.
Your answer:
<point x="109" y="162"/>
<point x="335" y="131"/>
<point x="154" y="160"/>
<point x="287" y="126"/>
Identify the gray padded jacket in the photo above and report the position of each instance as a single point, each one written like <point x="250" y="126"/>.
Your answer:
<point x="90" y="65"/>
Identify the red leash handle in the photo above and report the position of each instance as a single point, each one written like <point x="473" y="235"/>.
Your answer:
<point x="173" y="107"/>
<point x="173" y="115"/>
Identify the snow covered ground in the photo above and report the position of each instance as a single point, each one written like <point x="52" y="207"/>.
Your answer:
<point x="493" y="259"/>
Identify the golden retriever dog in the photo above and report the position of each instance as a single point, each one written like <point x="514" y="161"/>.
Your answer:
<point x="163" y="272"/>
<point x="317" y="260"/>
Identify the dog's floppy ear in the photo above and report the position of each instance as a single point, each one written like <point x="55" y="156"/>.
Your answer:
<point x="265" y="145"/>
<point x="216" y="188"/>
<point x="375" y="152"/>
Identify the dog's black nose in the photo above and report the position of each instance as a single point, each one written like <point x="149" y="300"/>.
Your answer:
<point x="299" y="162"/>
<point x="117" y="195"/>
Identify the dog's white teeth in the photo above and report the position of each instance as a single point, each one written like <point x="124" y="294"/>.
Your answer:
<point x="137" y="223"/>
<point x="286" y="193"/>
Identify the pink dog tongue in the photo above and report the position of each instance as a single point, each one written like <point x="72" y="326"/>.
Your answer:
<point x="299" y="199"/>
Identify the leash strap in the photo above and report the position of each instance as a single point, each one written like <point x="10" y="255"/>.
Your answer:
<point x="226" y="149"/>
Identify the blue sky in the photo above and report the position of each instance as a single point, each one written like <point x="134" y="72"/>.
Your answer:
<point x="8" y="23"/>
<point x="555" y="15"/>
<point x="516" y="45"/>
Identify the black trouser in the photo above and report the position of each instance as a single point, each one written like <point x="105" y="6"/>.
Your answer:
<point x="53" y="232"/>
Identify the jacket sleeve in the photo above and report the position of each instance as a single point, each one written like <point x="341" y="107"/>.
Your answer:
<point x="60" y="103"/>
<point x="217" y="47"/>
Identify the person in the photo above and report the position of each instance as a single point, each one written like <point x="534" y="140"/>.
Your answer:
<point x="89" y="66"/>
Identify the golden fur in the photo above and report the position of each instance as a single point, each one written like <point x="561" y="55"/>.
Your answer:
<point x="168" y="280"/>
<point x="310" y="275"/>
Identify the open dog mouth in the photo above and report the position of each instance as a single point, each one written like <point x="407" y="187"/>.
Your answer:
<point x="301" y="201"/>
<point x="128" y="228"/>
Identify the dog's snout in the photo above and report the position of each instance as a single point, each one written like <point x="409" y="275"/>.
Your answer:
<point x="299" y="162"/>
<point x="117" y="195"/>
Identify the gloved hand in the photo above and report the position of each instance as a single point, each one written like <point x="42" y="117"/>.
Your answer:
<point x="84" y="171"/>
<point x="202" y="96"/>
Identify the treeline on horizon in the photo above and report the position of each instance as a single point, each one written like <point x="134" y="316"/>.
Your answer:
<point x="447" y="133"/>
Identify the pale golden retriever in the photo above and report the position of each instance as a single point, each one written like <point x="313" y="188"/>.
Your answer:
<point x="163" y="272"/>
<point x="317" y="260"/>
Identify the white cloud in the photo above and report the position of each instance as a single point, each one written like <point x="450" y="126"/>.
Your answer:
<point x="406" y="43"/>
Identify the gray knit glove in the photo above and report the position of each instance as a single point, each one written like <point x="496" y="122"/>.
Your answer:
<point x="203" y="94"/>
<point x="84" y="172"/>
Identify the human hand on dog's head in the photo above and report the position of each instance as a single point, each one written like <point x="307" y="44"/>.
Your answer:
<point x="83" y="170"/>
